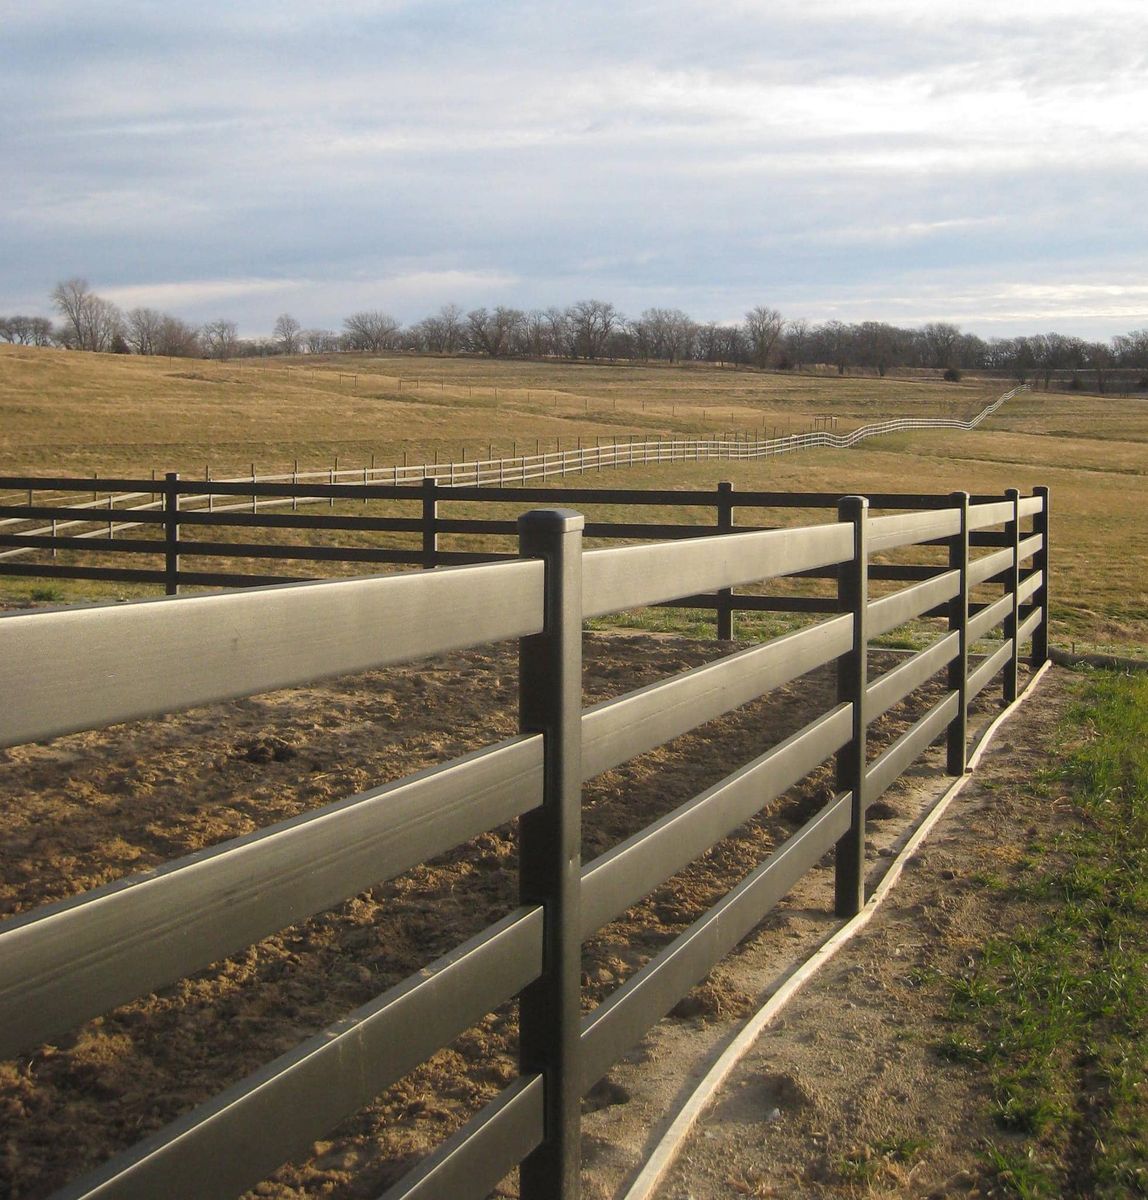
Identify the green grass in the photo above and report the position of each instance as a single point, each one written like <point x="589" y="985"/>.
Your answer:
<point x="1056" y="1011"/>
<point x="879" y="1163"/>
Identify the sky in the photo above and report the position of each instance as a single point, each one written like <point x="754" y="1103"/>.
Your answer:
<point x="978" y="162"/>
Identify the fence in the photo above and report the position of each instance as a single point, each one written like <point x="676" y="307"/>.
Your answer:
<point x="127" y="503"/>
<point x="77" y="669"/>
<point x="425" y="528"/>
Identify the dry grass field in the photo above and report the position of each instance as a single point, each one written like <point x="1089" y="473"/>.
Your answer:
<point x="80" y="413"/>
<point x="83" y="414"/>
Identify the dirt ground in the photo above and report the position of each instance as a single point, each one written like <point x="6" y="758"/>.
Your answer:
<point x="845" y="1093"/>
<point x="82" y="810"/>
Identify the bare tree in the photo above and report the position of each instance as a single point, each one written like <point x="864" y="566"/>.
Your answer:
<point x="220" y="339"/>
<point x="491" y="333"/>
<point x="560" y="332"/>
<point x="763" y="327"/>
<point x="143" y="328"/>
<point x="1098" y="355"/>
<point x="797" y="341"/>
<point x="90" y="322"/>
<point x="943" y="341"/>
<point x="319" y="341"/>
<point x="709" y="343"/>
<point x="592" y="322"/>
<point x="835" y="341"/>
<point x="440" y="333"/>
<point x="450" y="322"/>
<point x="371" y="331"/>
<point x="1055" y="352"/>
<point x="286" y="333"/>
<point x="1132" y="348"/>
<point x="177" y="339"/>
<point x="666" y="333"/>
<point x="533" y="335"/>
<point x="26" y="331"/>
<point x="876" y="345"/>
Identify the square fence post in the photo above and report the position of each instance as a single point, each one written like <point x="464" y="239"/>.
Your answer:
<point x="171" y="533"/>
<point x="852" y="681"/>
<point x="1040" y="596"/>
<point x="430" y="523"/>
<point x="958" y="740"/>
<point x="550" y="852"/>
<point x="1012" y="585"/>
<point x="725" y="595"/>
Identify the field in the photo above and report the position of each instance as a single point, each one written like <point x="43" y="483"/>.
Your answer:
<point x="75" y="414"/>
<point x="89" y="808"/>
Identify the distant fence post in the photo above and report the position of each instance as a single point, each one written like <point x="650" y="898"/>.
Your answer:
<point x="1040" y="596"/>
<point x="171" y="533"/>
<point x="852" y="680"/>
<point x="430" y="524"/>
<point x="725" y="595"/>
<point x="958" y="740"/>
<point x="550" y="861"/>
<point x="1012" y="619"/>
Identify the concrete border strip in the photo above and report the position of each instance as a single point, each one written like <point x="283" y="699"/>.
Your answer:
<point x="666" y="1152"/>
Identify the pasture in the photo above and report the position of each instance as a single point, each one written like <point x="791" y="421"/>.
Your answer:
<point x="83" y="414"/>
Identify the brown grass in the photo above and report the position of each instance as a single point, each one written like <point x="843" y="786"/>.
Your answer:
<point x="78" y="413"/>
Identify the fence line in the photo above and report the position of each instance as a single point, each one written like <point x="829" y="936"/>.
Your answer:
<point x="76" y="669"/>
<point x="489" y="472"/>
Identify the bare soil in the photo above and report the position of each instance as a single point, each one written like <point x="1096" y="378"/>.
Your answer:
<point x="83" y="810"/>
<point x="845" y="1094"/>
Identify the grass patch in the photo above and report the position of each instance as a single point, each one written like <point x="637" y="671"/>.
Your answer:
<point x="1056" y="1010"/>
<point x="882" y="1162"/>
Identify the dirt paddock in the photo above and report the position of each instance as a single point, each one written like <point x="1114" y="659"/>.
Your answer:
<point x="86" y="809"/>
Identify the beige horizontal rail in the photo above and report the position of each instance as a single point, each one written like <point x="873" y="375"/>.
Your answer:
<point x="80" y="668"/>
<point x="635" y="576"/>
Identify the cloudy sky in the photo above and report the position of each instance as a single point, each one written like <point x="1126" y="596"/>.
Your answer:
<point x="903" y="160"/>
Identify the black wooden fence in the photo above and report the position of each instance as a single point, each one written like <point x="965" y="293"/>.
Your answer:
<point x="75" y="669"/>
<point x="194" y="520"/>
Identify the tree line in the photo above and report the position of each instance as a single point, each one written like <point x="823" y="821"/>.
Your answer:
<point x="589" y="329"/>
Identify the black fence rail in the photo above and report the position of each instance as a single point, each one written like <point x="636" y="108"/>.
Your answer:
<point x="197" y="529"/>
<point x="77" y="669"/>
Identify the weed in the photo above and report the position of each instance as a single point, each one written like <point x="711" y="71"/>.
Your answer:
<point x="1019" y="1172"/>
<point x="879" y="1162"/>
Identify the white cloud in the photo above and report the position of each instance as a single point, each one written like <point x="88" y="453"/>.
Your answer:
<point x="192" y="293"/>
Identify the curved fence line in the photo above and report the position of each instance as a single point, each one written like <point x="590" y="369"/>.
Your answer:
<point x="495" y="472"/>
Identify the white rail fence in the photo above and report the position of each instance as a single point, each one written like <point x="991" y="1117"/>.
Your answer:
<point x="497" y="472"/>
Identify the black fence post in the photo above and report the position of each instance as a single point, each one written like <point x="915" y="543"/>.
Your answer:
<point x="725" y="595"/>
<point x="550" y="858"/>
<point x="171" y="533"/>
<point x="958" y="741"/>
<point x="430" y="524"/>
<point x="1012" y="619"/>
<point x="852" y="681"/>
<point x="1040" y="596"/>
